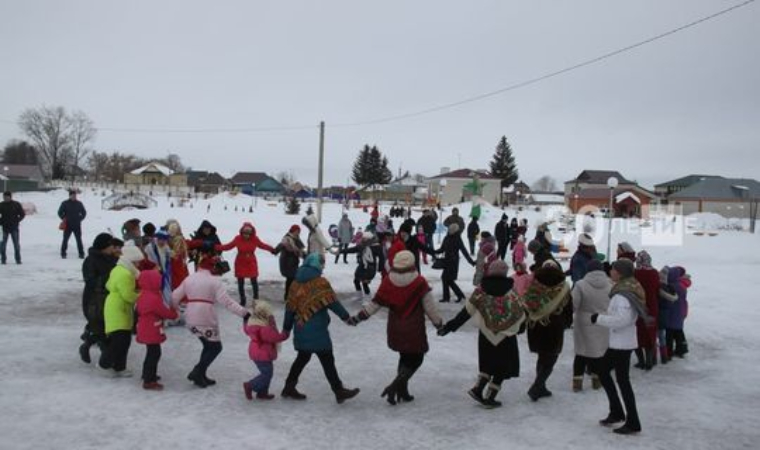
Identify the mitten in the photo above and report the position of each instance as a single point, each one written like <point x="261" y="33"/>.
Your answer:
<point x="594" y="317"/>
<point x="444" y="330"/>
<point x="352" y="321"/>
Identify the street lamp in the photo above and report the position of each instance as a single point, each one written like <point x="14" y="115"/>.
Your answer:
<point x="612" y="183"/>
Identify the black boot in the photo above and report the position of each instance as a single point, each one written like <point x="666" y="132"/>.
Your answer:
<point x="640" y="362"/>
<point x="289" y="391"/>
<point x="342" y="394"/>
<point x="477" y="391"/>
<point x="84" y="352"/>
<point x="390" y="393"/>
<point x="490" y="400"/>
<point x="649" y="359"/>
<point x="197" y="378"/>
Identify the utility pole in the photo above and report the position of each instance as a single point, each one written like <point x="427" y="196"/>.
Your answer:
<point x="321" y="169"/>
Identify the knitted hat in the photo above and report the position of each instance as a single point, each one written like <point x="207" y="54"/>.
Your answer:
<point x="643" y="260"/>
<point x="497" y="268"/>
<point x="625" y="247"/>
<point x="148" y="229"/>
<point x="313" y="260"/>
<point x="294" y="229"/>
<point x="594" y="265"/>
<point x="116" y="242"/>
<point x="586" y="240"/>
<point x="404" y="260"/>
<point x="534" y="246"/>
<point x="624" y="267"/>
<point x="132" y="253"/>
<point x="454" y="228"/>
<point x="162" y="235"/>
<point x="102" y="241"/>
<point x="504" y="217"/>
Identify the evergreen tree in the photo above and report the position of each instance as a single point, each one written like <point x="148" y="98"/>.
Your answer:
<point x="362" y="167"/>
<point x="503" y="165"/>
<point x="293" y="207"/>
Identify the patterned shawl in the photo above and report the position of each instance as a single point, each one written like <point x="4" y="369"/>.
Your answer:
<point x="541" y="301"/>
<point x="499" y="314"/>
<point x="632" y="290"/>
<point x="307" y="298"/>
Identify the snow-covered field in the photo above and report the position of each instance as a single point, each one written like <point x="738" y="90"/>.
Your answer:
<point x="50" y="399"/>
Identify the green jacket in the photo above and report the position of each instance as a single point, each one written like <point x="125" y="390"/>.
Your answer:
<point x="120" y="303"/>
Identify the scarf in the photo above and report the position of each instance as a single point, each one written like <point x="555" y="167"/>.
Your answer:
<point x="130" y="266"/>
<point x="634" y="293"/>
<point x="500" y="314"/>
<point x="307" y="298"/>
<point x="541" y="301"/>
<point x="401" y="299"/>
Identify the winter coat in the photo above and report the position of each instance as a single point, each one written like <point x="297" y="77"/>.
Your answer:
<point x="345" y="231"/>
<point x="451" y="246"/>
<point x="492" y="287"/>
<point x="203" y="290"/>
<point x="264" y="340"/>
<point x="521" y="282"/>
<point x="674" y="311"/>
<point x="291" y="250"/>
<point x="427" y="221"/>
<point x="473" y="230"/>
<point x="316" y="242"/>
<point x="408" y="334"/>
<point x="591" y="295"/>
<point x="620" y="319"/>
<point x="578" y="265"/>
<point x="501" y="232"/>
<point x="457" y="220"/>
<point x="314" y="336"/>
<point x="246" y="264"/>
<point x="73" y="212"/>
<point x="366" y="261"/>
<point x="151" y="310"/>
<point x="650" y="281"/>
<point x="96" y="268"/>
<point x="547" y="335"/>
<point x="11" y="214"/>
<point x="519" y="253"/>
<point x="540" y="258"/>
<point x="119" y="307"/>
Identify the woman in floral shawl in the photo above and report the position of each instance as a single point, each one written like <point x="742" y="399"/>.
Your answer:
<point x="309" y="298"/>
<point x="500" y="315"/>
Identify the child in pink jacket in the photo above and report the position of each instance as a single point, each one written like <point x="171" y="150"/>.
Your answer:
<point x="518" y="252"/>
<point x="262" y="350"/>
<point x="151" y="312"/>
<point x="522" y="279"/>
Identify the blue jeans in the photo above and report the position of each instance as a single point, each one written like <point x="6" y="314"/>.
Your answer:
<point x="260" y="383"/>
<point x="16" y="247"/>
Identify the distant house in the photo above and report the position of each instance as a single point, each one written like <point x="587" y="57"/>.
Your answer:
<point x="590" y="190"/>
<point x="406" y="189"/>
<point x="517" y="193"/>
<point x="677" y="185"/>
<point x="457" y="186"/>
<point x="20" y="177"/>
<point x="729" y="197"/>
<point x="155" y="174"/>
<point x="545" y="198"/>
<point x="256" y="183"/>
<point x="207" y="182"/>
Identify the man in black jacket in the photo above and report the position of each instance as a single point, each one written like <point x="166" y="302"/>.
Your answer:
<point x="11" y="214"/>
<point x="72" y="212"/>
<point x="502" y="235"/>
<point x="428" y="224"/>
<point x="96" y="268"/>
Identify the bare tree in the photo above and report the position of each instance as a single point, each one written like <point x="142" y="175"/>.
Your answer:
<point x="83" y="132"/>
<point x="545" y="184"/>
<point x="47" y="128"/>
<point x="174" y="162"/>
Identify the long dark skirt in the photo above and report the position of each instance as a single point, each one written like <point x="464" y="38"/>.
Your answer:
<point x="500" y="361"/>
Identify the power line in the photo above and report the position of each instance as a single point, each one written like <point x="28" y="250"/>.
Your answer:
<point x="440" y="107"/>
<point x="547" y="76"/>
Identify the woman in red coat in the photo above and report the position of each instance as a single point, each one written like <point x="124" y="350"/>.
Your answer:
<point x="649" y="279"/>
<point x="151" y="313"/>
<point x="246" y="265"/>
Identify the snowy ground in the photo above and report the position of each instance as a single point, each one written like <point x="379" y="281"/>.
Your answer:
<point x="50" y="399"/>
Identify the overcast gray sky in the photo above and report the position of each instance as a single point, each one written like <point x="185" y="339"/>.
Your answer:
<point x="689" y="103"/>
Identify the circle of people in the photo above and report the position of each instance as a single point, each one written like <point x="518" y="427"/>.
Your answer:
<point x="614" y="309"/>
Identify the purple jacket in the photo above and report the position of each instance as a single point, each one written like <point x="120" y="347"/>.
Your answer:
<point x="675" y="311"/>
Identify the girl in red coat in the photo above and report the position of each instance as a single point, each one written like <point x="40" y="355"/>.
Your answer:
<point x="246" y="265"/>
<point x="262" y="331"/>
<point x="151" y="313"/>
